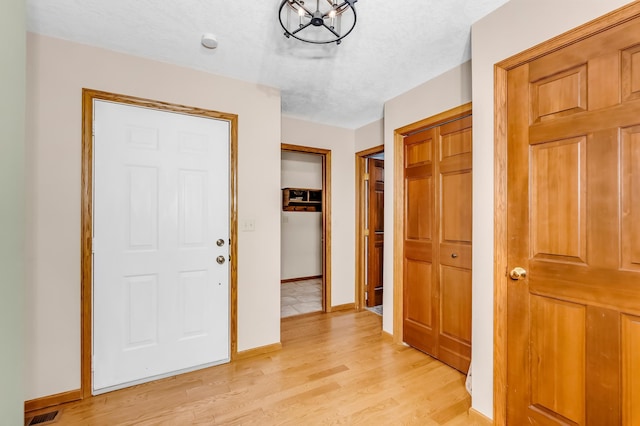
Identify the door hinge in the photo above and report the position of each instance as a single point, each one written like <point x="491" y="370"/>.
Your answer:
<point x="366" y="176"/>
<point x="366" y="232"/>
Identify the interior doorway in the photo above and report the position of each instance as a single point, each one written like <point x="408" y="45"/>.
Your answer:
<point x="305" y="230"/>
<point x="370" y="229"/>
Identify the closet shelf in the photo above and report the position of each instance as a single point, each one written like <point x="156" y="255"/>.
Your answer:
<point x="301" y="200"/>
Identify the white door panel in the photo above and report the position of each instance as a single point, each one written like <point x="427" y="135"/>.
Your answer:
<point x="161" y="201"/>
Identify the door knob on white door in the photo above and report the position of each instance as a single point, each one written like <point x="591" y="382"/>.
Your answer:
<point x="518" y="273"/>
<point x="220" y="259"/>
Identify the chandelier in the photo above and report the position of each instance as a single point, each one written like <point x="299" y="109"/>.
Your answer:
<point x="318" y="21"/>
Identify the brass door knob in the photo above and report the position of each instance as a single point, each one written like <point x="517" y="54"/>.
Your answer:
<point x="518" y="273"/>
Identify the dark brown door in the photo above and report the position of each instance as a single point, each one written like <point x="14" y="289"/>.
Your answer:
<point x="376" y="232"/>
<point x="573" y="337"/>
<point x="437" y="241"/>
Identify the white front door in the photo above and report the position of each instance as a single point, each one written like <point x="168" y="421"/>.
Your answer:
<point x="161" y="227"/>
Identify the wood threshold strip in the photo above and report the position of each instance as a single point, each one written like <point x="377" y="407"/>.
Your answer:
<point x="291" y="280"/>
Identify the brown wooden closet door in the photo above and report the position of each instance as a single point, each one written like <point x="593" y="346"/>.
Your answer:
<point x="420" y="303"/>
<point x="573" y="338"/>
<point x="437" y="241"/>
<point x="454" y="252"/>
<point x="376" y="232"/>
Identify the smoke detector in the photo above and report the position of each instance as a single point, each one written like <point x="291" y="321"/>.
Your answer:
<point x="209" y="41"/>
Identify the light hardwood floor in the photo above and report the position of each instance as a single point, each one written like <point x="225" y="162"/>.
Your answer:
<point x="333" y="368"/>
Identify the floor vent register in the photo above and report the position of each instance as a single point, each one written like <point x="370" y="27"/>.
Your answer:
<point x="43" y="419"/>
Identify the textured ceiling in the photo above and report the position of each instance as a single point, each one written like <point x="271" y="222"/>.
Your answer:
<point x="395" y="46"/>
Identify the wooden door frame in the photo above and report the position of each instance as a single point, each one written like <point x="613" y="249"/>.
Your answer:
<point x="399" y="207"/>
<point x="86" y="332"/>
<point x="361" y="212"/>
<point x="612" y="19"/>
<point x="326" y="216"/>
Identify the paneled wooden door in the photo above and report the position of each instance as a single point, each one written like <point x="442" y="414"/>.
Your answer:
<point x="437" y="241"/>
<point x="160" y="244"/>
<point x="375" y="249"/>
<point x="573" y="184"/>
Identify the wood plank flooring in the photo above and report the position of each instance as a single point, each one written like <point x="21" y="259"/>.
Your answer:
<point x="333" y="368"/>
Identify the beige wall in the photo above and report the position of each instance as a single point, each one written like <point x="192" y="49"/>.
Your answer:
<point x="57" y="72"/>
<point x="516" y="26"/>
<point x="447" y="91"/>
<point x="341" y="143"/>
<point x="12" y="210"/>
<point x="370" y="136"/>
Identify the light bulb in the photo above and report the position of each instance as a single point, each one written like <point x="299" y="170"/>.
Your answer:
<point x="332" y="14"/>
<point x="300" y="11"/>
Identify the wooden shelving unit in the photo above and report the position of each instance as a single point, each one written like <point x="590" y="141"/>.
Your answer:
<point x="301" y="200"/>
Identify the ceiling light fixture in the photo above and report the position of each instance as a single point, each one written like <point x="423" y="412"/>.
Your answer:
<point x="318" y="21"/>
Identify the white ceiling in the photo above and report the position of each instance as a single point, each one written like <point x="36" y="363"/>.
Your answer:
<point x="395" y="46"/>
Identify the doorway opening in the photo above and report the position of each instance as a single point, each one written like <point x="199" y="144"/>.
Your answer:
<point x="305" y="230"/>
<point x="370" y="229"/>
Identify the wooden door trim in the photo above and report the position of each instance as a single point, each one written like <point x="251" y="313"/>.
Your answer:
<point x="361" y="158"/>
<point x="603" y="23"/>
<point x="88" y="96"/>
<point x="326" y="216"/>
<point x="398" y="204"/>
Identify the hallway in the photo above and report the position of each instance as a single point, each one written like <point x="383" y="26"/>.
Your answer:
<point x="333" y="368"/>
